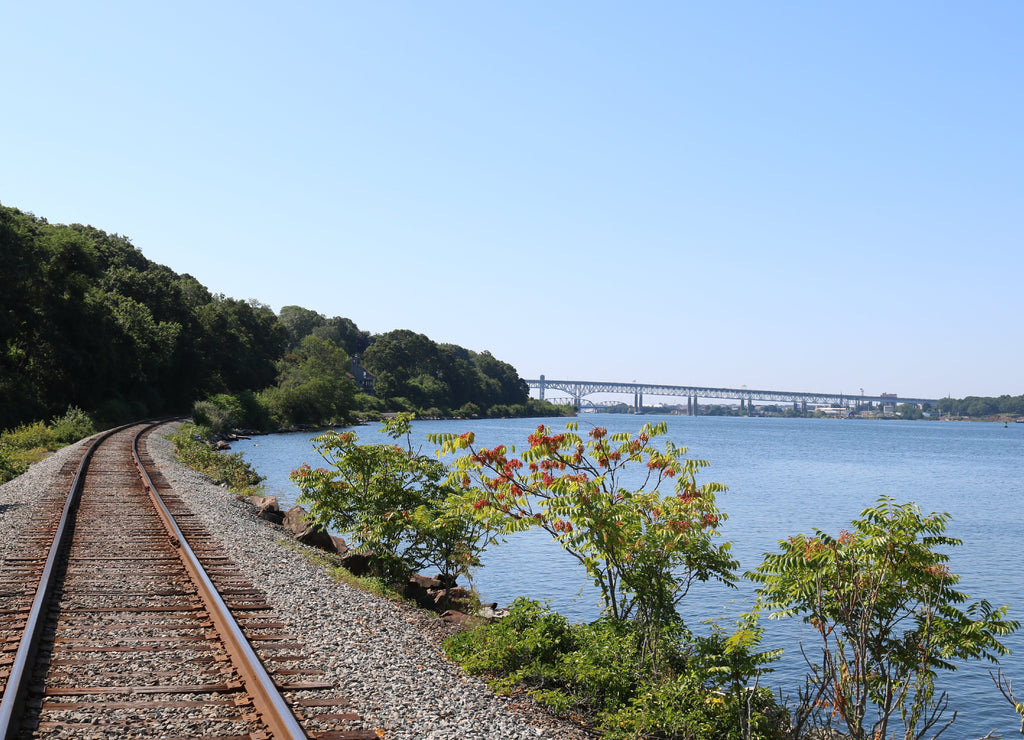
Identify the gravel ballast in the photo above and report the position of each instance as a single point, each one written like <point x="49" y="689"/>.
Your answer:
<point x="385" y="657"/>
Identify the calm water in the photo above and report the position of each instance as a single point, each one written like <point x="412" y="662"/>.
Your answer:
<point x="785" y="476"/>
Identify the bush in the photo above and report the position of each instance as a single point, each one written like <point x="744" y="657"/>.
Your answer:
<point x="241" y="410"/>
<point x="73" y="426"/>
<point x="10" y="466"/>
<point x="524" y="646"/>
<point x="365" y="402"/>
<point x="887" y="614"/>
<point x="212" y="417"/>
<point x="30" y="436"/>
<point x="391" y="499"/>
<point x="229" y="469"/>
<point x="603" y="673"/>
<point x="29" y="443"/>
<point x="684" y="707"/>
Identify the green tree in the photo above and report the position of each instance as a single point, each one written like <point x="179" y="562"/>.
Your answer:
<point x="344" y="333"/>
<point x="642" y="546"/>
<point x="313" y="385"/>
<point x="394" y="501"/>
<point x="240" y="343"/>
<point x="300" y="323"/>
<point x="909" y="411"/>
<point x="882" y="603"/>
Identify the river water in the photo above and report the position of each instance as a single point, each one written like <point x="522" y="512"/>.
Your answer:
<point x="785" y="476"/>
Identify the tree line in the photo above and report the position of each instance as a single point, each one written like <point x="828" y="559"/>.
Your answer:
<point x="982" y="406"/>
<point x="87" y="321"/>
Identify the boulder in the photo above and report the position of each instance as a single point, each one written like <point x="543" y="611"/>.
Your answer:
<point x="306" y="532"/>
<point x="444" y="581"/>
<point x="427" y="583"/>
<point x="451" y="598"/>
<point x="460" y="618"/>
<point x="426" y="592"/>
<point x="265" y="502"/>
<point x="271" y="515"/>
<point x="358" y="563"/>
<point x="340" y="546"/>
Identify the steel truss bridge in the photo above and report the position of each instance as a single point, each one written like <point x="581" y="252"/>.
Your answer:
<point x="580" y="389"/>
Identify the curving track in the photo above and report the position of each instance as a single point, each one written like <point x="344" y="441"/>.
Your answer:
<point x="120" y="618"/>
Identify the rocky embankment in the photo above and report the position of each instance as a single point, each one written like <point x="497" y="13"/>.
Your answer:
<point x="437" y="594"/>
<point x="385" y="656"/>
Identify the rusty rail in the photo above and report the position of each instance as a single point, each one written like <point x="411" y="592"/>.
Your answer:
<point x="17" y="681"/>
<point x="276" y="717"/>
<point x="267" y="699"/>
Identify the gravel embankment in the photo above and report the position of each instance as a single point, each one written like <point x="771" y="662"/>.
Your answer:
<point x="385" y="657"/>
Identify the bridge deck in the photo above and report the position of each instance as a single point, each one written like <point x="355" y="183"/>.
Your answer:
<point x="579" y="389"/>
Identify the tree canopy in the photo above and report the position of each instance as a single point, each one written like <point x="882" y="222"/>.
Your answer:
<point x="86" y="320"/>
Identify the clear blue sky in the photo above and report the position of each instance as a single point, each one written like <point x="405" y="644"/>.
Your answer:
<point x="793" y="196"/>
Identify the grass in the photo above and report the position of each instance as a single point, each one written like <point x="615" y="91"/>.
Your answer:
<point x="30" y="443"/>
<point x="224" y="468"/>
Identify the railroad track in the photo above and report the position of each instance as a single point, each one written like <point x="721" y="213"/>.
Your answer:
<point x="120" y="617"/>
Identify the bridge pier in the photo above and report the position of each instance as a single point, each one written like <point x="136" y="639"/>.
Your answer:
<point x="541" y="387"/>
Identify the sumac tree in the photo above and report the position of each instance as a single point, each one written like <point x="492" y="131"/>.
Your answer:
<point x="392" y="500"/>
<point x="883" y="604"/>
<point x="604" y="500"/>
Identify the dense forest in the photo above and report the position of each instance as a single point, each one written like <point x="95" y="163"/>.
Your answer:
<point x="87" y="321"/>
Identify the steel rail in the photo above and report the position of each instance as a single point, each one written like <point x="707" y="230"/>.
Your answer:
<point x="17" y="681"/>
<point x="267" y="700"/>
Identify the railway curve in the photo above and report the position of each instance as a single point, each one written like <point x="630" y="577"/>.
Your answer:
<point x="121" y="617"/>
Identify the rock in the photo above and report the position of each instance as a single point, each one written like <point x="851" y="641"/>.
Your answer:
<point x="265" y="502"/>
<point x="424" y="591"/>
<point x="451" y="597"/>
<point x="427" y="583"/>
<point x="340" y="546"/>
<point x="358" y="563"/>
<point x="295" y="520"/>
<point x="271" y="515"/>
<point x="445" y="581"/>
<point x="307" y="532"/>
<point x="464" y="620"/>
<point x="268" y="510"/>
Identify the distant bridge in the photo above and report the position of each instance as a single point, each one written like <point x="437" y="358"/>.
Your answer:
<point x="579" y="389"/>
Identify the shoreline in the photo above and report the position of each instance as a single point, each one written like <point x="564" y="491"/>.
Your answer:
<point x="381" y="655"/>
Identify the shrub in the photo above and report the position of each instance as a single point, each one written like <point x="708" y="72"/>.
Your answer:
<point x="30" y="436"/>
<point x="10" y="466"/>
<point x="229" y="469"/>
<point x="74" y="425"/>
<point x="684" y="707"/>
<point x="394" y="501"/>
<point x="523" y="647"/>
<point x="29" y="443"/>
<point x="602" y="673"/>
<point x="887" y="615"/>
<point x="241" y="410"/>
<point x="213" y="417"/>
<point x="643" y="547"/>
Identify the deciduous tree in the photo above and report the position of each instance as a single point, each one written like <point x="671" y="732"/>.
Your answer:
<point x="643" y="538"/>
<point x="883" y="604"/>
